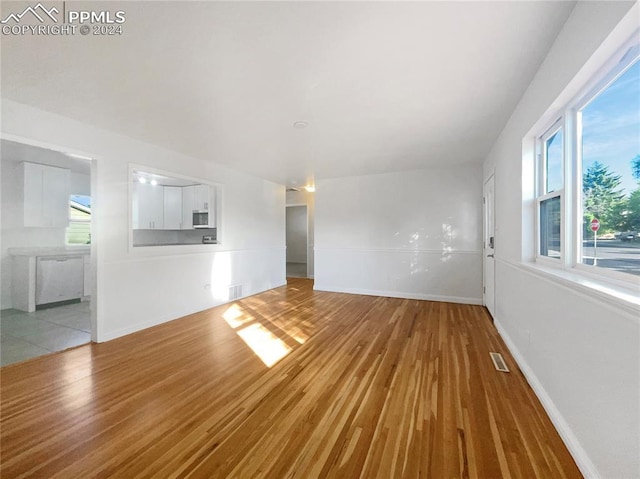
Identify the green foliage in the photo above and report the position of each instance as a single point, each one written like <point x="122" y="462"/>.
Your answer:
<point x="632" y="217"/>
<point x="632" y="210"/>
<point x="603" y="199"/>
<point x="635" y="167"/>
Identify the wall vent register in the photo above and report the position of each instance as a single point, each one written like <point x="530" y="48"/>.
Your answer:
<point x="498" y="362"/>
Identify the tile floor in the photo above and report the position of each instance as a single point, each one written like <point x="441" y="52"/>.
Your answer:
<point x="27" y="335"/>
<point x="296" y="270"/>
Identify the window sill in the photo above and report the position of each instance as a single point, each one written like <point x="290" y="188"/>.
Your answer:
<point x="616" y="293"/>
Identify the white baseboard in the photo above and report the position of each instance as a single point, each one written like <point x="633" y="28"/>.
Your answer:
<point x="587" y="468"/>
<point x="400" y="294"/>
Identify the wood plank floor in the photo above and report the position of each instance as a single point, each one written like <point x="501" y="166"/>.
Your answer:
<point x="367" y="387"/>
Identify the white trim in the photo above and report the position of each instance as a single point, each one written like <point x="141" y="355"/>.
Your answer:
<point x="399" y="294"/>
<point x="587" y="468"/>
<point x="174" y="251"/>
<point x="396" y="250"/>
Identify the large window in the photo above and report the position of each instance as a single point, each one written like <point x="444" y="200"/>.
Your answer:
<point x="610" y="163"/>
<point x="588" y="176"/>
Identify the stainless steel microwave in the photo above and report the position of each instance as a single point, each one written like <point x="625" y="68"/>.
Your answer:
<point x="200" y="219"/>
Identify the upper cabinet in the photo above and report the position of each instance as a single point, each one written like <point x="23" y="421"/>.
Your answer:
<point x="198" y="199"/>
<point x="46" y="195"/>
<point x="201" y="198"/>
<point x="172" y="207"/>
<point x="148" y="211"/>
<point x="188" y="205"/>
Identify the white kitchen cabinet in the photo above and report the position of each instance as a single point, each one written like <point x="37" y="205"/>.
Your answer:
<point x="198" y="198"/>
<point x="201" y="197"/>
<point x="172" y="207"/>
<point x="188" y="205"/>
<point x="212" y="207"/>
<point x="45" y="195"/>
<point x="149" y="210"/>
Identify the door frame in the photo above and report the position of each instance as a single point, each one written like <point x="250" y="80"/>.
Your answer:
<point x="306" y="251"/>
<point x="95" y="161"/>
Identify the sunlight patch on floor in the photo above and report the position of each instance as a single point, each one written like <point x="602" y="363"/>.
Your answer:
<point x="235" y="317"/>
<point x="268" y="347"/>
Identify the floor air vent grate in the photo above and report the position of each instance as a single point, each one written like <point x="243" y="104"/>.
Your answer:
<point x="498" y="362"/>
<point x="235" y="291"/>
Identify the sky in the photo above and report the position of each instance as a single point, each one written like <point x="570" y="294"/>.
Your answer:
<point x="610" y="132"/>
<point x="611" y="127"/>
<point x="82" y="199"/>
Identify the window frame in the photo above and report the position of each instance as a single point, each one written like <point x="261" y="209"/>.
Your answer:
<point x="570" y="121"/>
<point x="540" y="190"/>
<point x="542" y="155"/>
<point x="550" y="260"/>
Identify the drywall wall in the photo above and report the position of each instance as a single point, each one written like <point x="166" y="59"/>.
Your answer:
<point x="140" y="287"/>
<point x="296" y="234"/>
<point x="579" y="352"/>
<point x="414" y="234"/>
<point x="12" y="232"/>
<point x="303" y="197"/>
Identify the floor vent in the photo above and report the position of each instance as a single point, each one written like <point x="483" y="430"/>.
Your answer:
<point x="498" y="362"/>
<point x="235" y="291"/>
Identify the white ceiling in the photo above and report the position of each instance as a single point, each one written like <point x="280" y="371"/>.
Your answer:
<point x="384" y="86"/>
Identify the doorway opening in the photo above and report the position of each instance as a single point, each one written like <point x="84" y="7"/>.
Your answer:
<point x="297" y="240"/>
<point x="46" y="301"/>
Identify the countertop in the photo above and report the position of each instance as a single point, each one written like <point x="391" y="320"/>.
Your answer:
<point x="51" y="251"/>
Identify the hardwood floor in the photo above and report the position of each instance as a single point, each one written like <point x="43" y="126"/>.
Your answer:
<point x="367" y="387"/>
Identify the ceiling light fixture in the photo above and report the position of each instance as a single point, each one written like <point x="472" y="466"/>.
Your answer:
<point x="142" y="179"/>
<point x="310" y="188"/>
<point x="154" y="182"/>
<point x="77" y="157"/>
<point x="300" y="124"/>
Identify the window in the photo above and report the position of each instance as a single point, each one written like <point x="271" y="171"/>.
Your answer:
<point x="79" y="229"/>
<point x="610" y="162"/>
<point x="588" y="176"/>
<point x="550" y="215"/>
<point x="553" y="151"/>
<point x="550" y="192"/>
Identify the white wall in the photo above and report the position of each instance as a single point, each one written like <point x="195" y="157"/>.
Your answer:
<point x="13" y="234"/>
<point x="305" y="198"/>
<point x="296" y="234"/>
<point x="579" y="352"/>
<point x="140" y="287"/>
<point x="414" y="234"/>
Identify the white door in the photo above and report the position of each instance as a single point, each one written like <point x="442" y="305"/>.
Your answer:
<point x="488" y="247"/>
